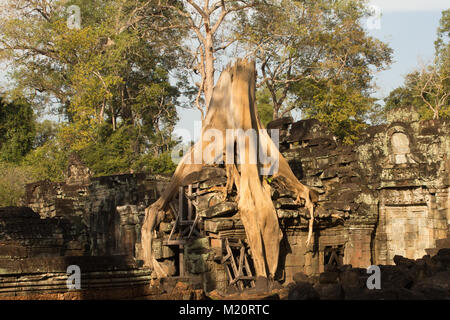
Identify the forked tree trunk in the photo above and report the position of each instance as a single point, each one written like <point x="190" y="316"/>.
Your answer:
<point x="232" y="106"/>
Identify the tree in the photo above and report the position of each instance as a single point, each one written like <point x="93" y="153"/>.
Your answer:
<point x="17" y="130"/>
<point x="264" y="106"/>
<point x="428" y="87"/>
<point x="13" y="179"/>
<point x="442" y="43"/>
<point x="315" y="56"/>
<point x="399" y="97"/>
<point x="109" y="72"/>
<point x="433" y="87"/>
<point x="205" y="22"/>
<point x="233" y="107"/>
<point x="45" y="131"/>
<point x="47" y="162"/>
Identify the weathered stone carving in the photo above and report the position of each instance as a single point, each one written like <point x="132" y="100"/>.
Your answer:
<point x="77" y="172"/>
<point x="400" y="147"/>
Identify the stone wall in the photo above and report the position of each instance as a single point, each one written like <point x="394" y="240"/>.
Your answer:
<point x="110" y="209"/>
<point x="25" y="235"/>
<point x="94" y="223"/>
<point x="386" y="195"/>
<point x="390" y="191"/>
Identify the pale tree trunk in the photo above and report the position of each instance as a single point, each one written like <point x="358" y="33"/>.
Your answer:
<point x="276" y="111"/>
<point x="232" y="106"/>
<point x="209" y="69"/>
<point x="199" y="20"/>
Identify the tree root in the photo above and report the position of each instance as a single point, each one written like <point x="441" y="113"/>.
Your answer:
<point x="232" y="106"/>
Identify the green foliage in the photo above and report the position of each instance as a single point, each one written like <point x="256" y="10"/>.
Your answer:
<point x="45" y="131"/>
<point x="122" y="152"/>
<point x="340" y="106"/>
<point x="13" y="179"/>
<point x="113" y="153"/>
<point x="399" y="97"/>
<point x="159" y="164"/>
<point x="47" y="162"/>
<point x="443" y="35"/>
<point x="264" y="106"/>
<point x="17" y="130"/>
<point x="406" y="95"/>
<point x="109" y="78"/>
<point x="316" y="56"/>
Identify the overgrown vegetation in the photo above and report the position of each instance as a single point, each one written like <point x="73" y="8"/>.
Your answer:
<point x="115" y="83"/>
<point x="13" y="179"/>
<point x="316" y="57"/>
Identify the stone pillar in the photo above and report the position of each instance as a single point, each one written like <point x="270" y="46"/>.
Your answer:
<point x="357" y="251"/>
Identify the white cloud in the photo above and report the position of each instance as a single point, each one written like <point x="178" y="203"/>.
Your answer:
<point x="411" y="5"/>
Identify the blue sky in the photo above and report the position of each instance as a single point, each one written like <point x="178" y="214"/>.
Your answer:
<point x="408" y="26"/>
<point x="411" y="34"/>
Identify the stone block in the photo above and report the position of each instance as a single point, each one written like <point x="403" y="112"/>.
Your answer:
<point x="196" y="254"/>
<point x="12" y="251"/>
<point x="303" y="291"/>
<point x="300" y="277"/>
<point x="221" y="209"/>
<point x="295" y="260"/>
<point x="328" y="277"/>
<point x="217" y="225"/>
<point x="330" y="291"/>
<point x="216" y="243"/>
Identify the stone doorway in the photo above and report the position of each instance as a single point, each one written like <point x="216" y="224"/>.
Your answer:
<point x="409" y="231"/>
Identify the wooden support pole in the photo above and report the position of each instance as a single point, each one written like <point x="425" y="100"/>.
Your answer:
<point x="189" y="202"/>
<point x="180" y="203"/>
<point x="249" y="272"/>
<point x="181" y="258"/>
<point x="193" y="226"/>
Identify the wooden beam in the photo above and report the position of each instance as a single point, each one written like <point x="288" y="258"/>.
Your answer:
<point x="241" y="261"/>
<point x="173" y="210"/>
<point x="174" y="227"/>
<point x="181" y="258"/>
<point x="193" y="226"/>
<point x="174" y="242"/>
<point x="234" y="266"/>
<point x="249" y="271"/>
<point x="180" y="203"/>
<point x="189" y="202"/>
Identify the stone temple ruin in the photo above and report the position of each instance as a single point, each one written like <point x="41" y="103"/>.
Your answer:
<point x="219" y="228"/>
<point x="387" y="195"/>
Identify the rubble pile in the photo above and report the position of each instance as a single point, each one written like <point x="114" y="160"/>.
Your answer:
<point x="427" y="278"/>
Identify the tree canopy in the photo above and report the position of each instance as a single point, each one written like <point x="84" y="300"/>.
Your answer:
<point x="316" y="57"/>
<point x="17" y="130"/>
<point x="104" y="78"/>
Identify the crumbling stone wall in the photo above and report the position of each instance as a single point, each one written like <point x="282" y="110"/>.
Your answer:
<point x="109" y="209"/>
<point x="390" y="189"/>
<point x="94" y="223"/>
<point x="386" y="195"/>
<point x="25" y="235"/>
